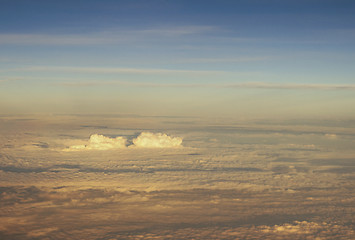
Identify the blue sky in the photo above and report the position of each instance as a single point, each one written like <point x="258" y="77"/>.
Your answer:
<point x="178" y="57"/>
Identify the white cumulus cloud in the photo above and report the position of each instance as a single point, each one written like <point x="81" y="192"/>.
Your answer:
<point x="101" y="142"/>
<point x="156" y="140"/>
<point x="144" y="140"/>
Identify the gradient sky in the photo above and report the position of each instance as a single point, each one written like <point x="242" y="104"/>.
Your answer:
<point x="248" y="58"/>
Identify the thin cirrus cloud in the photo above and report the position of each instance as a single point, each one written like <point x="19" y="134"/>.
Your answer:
<point x="151" y="71"/>
<point x="157" y="71"/>
<point x="245" y="85"/>
<point x="180" y="30"/>
<point x="64" y="39"/>
<point x="103" y="70"/>
<point x="123" y="36"/>
<point x="10" y="79"/>
<point x="104" y="37"/>
<point x="144" y="140"/>
<point x="292" y="86"/>
<point x="226" y="60"/>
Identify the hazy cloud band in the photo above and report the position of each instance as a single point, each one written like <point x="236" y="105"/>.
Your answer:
<point x="247" y="85"/>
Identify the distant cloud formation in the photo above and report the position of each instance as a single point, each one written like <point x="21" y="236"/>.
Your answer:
<point x="144" y="140"/>
<point x="100" y="142"/>
<point x="331" y="136"/>
<point x="304" y="228"/>
<point x="156" y="140"/>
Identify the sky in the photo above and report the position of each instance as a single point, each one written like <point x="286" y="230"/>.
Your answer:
<point x="178" y="58"/>
<point x="177" y="119"/>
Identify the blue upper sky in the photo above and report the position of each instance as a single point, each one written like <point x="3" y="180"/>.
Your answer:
<point x="257" y="17"/>
<point x="60" y="48"/>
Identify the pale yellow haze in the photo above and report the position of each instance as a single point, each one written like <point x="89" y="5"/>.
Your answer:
<point x="181" y="101"/>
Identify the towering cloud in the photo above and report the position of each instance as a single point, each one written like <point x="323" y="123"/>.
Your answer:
<point x="100" y="142"/>
<point x="144" y="140"/>
<point x="156" y="140"/>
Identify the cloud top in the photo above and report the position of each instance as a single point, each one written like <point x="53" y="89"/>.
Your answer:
<point x="144" y="140"/>
<point x="156" y="140"/>
<point x="101" y="142"/>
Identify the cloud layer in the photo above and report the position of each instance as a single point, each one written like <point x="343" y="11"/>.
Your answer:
<point x="144" y="140"/>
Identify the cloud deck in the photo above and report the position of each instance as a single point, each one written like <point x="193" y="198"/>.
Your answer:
<point x="237" y="180"/>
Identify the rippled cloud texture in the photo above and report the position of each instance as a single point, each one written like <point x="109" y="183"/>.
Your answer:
<point x="236" y="180"/>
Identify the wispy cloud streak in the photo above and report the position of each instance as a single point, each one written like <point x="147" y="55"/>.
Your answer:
<point x="103" y="70"/>
<point x="9" y="79"/>
<point x="226" y="60"/>
<point x="65" y="39"/>
<point x="115" y="36"/>
<point x="291" y="86"/>
<point x="247" y="85"/>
